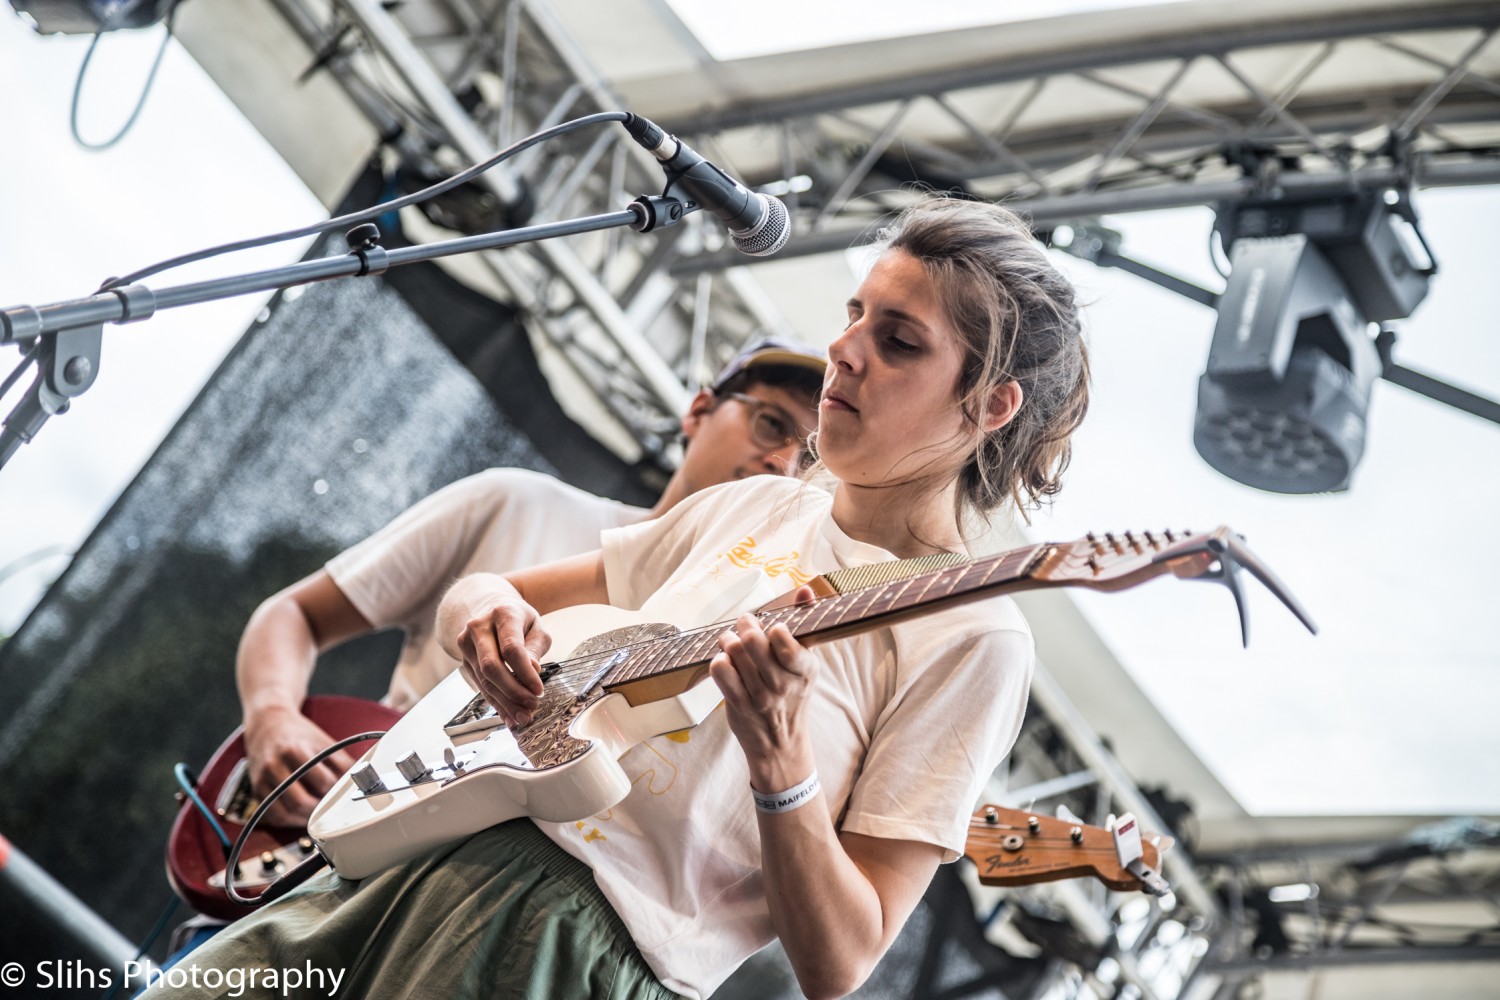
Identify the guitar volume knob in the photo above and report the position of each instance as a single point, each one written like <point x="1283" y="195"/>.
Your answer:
<point x="366" y="780"/>
<point x="412" y="768"/>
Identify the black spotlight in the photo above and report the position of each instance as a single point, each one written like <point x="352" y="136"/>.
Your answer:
<point x="87" y="17"/>
<point x="1282" y="403"/>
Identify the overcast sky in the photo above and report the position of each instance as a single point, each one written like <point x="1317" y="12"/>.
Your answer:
<point x="1390" y="709"/>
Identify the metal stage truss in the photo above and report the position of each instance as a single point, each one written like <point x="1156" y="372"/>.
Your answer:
<point x="1402" y="93"/>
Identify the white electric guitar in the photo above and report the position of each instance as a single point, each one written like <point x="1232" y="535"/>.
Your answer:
<point x="450" y="767"/>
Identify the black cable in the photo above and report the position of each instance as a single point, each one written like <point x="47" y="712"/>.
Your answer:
<point x="26" y="360"/>
<point x="108" y="25"/>
<point x="233" y="863"/>
<point x="1213" y="258"/>
<point x="365" y="215"/>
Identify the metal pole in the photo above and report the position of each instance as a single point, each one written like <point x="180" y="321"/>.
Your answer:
<point x="28" y="893"/>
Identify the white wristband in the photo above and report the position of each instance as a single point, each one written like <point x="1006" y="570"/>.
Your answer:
<point x="785" y="802"/>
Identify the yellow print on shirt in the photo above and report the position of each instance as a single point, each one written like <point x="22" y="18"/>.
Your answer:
<point x="743" y="555"/>
<point x="657" y="782"/>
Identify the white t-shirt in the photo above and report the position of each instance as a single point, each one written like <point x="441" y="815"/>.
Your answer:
<point x="495" y="521"/>
<point x="908" y="722"/>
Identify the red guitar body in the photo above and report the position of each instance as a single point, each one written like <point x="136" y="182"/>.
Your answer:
<point x="195" y="857"/>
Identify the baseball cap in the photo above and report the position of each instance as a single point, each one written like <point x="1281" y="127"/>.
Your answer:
<point x="773" y="351"/>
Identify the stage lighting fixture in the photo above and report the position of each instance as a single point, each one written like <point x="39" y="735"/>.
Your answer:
<point x="87" y="17"/>
<point x="1283" y="400"/>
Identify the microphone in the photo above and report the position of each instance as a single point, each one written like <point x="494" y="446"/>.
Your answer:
<point x="758" y="224"/>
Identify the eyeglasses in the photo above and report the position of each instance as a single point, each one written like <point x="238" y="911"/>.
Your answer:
<point x="771" y="427"/>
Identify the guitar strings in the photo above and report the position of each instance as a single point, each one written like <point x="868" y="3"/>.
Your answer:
<point x="587" y="664"/>
<point x="577" y="667"/>
<point x="568" y="671"/>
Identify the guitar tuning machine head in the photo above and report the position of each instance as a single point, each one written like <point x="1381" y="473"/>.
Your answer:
<point x="991" y="816"/>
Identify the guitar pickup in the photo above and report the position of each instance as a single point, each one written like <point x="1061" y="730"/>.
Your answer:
<point x="237" y="801"/>
<point x="1127" y="837"/>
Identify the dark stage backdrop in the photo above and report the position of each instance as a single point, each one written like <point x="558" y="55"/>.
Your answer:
<point x="342" y="406"/>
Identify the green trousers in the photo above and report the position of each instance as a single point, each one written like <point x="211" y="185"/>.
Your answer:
<point x="504" y="914"/>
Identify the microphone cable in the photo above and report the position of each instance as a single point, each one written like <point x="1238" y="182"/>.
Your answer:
<point x="108" y="25"/>
<point x="368" y="214"/>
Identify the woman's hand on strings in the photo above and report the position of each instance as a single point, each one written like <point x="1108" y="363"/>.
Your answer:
<point x="767" y="677"/>
<point x="502" y="648"/>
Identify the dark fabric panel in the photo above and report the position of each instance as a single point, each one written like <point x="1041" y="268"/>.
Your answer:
<point x="339" y="409"/>
<point x="495" y="349"/>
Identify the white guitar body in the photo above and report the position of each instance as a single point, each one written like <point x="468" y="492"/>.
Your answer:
<point x="493" y="781"/>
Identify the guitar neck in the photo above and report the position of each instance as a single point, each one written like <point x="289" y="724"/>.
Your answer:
<point x="883" y="604"/>
<point x="855" y="610"/>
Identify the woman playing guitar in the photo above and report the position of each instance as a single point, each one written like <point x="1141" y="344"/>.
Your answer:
<point x="816" y="805"/>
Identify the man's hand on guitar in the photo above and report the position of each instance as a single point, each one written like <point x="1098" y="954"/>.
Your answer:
<point x="277" y="742"/>
<point x="502" y="653"/>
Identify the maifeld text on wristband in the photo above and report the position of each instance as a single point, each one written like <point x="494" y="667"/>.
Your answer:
<point x="785" y="802"/>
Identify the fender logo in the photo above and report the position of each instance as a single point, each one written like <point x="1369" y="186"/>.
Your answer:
<point x="995" y="861"/>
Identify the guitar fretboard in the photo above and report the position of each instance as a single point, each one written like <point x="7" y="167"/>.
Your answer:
<point x="842" y="614"/>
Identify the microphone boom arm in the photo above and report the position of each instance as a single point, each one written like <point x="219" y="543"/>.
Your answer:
<point x="67" y="335"/>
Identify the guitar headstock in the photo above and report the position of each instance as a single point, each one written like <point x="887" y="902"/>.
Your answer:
<point x="1111" y="561"/>
<point x="1013" y="847"/>
<point x="1115" y="562"/>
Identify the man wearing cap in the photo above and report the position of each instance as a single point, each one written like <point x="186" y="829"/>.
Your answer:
<point x="754" y="419"/>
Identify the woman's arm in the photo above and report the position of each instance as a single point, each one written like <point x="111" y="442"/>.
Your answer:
<point x="488" y="623"/>
<point x="837" y="901"/>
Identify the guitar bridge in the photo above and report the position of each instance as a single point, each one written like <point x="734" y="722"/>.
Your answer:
<point x="473" y="722"/>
